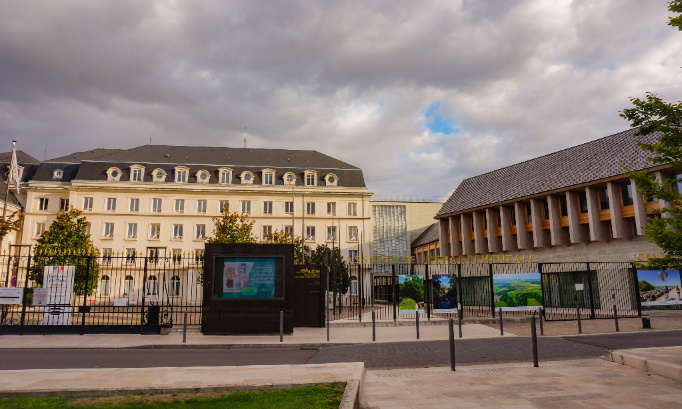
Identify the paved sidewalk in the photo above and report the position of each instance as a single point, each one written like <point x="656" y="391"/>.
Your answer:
<point x="665" y="361"/>
<point x="300" y="337"/>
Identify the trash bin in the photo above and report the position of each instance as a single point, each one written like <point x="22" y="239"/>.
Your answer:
<point x="646" y="321"/>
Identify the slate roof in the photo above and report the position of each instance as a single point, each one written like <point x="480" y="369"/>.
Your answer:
<point x="430" y="235"/>
<point x="22" y="157"/>
<point x="590" y="161"/>
<point x="92" y="165"/>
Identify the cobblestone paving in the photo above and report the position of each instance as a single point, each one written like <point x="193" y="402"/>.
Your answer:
<point x="596" y="326"/>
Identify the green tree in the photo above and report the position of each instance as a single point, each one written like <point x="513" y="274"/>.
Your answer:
<point x="301" y="250"/>
<point x="653" y="115"/>
<point x="67" y="243"/>
<point x="339" y="280"/>
<point x="10" y="223"/>
<point x="232" y="228"/>
<point x="645" y="286"/>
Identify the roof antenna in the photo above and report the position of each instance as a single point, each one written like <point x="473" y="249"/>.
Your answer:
<point x="45" y="152"/>
<point x="245" y="142"/>
<point x="150" y="139"/>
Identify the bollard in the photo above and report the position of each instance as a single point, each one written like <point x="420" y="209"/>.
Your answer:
<point x="374" y="328"/>
<point x="580" y="325"/>
<point x="417" y="314"/>
<point x="281" y="326"/>
<point x="451" y="334"/>
<point x="615" y="316"/>
<point x="542" y="330"/>
<point x="184" y="329"/>
<point x="459" y="320"/>
<point x="646" y="322"/>
<point x="501" y="327"/>
<point x="534" y="337"/>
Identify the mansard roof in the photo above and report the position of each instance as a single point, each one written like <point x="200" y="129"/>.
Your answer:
<point x="590" y="161"/>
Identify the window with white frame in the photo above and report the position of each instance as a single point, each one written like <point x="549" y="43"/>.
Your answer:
<point x="111" y="204"/>
<point x="136" y="175"/>
<point x="159" y="175"/>
<point x="131" y="254"/>
<point x="246" y="206"/>
<point x="87" y="228"/>
<point x="128" y="285"/>
<point x="225" y="176"/>
<point x="200" y="232"/>
<point x="289" y="207"/>
<point x="134" y="205"/>
<point x="310" y="179"/>
<point x="331" y="209"/>
<point x="177" y="231"/>
<point x="175" y="286"/>
<point x="353" y="285"/>
<point x="179" y="205"/>
<point x="181" y="175"/>
<point x="224" y="204"/>
<point x="152" y="285"/>
<point x="201" y="206"/>
<point x="310" y="208"/>
<point x="353" y="256"/>
<point x="40" y="228"/>
<point x="155" y="231"/>
<point x="42" y="204"/>
<point x="203" y="176"/>
<point x="267" y="231"/>
<point x="267" y="207"/>
<point x="310" y="233"/>
<point x="63" y="204"/>
<point x="87" y="204"/>
<point x="177" y="255"/>
<point x="104" y="286"/>
<point x="156" y="205"/>
<point x="352" y="209"/>
<point x="132" y="230"/>
<point x="289" y="231"/>
<point x="106" y="255"/>
<point x="352" y="233"/>
<point x="331" y="233"/>
<point x="268" y="177"/>
<point x="289" y="179"/>
<point x="198" y="255"/>
<point x="108" y="230"/>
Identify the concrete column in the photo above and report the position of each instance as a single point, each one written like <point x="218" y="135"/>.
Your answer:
<point x="480" y="244"/>
<point x="443" y="238"/>
<point x="455" y="244"/>
<point x="467" y="243"/>
<point x="578" y="233"/>
<point x="494" y="241"/>
<point x="619" y="226"/>
<point x="524" y="239"/>
<point x="557" y="233"/>
<point x="508" y="242"/>
<point x="639" y="207"/>
<point x="661" y="178"/>
<point x="598" y="229"/>
<point x="540" y="236"/>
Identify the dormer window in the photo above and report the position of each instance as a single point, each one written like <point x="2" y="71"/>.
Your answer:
<point x="181" y="174"/>
<point x="247" y="178"/>
<point x="159" y="175"/>
<point x="114" y="174"/>
<point x="268" y="177"/>
<point x="225" y="176"/>
<point x="203" y="176"/>
<point x="136" y="173"/>
<point x="310" y="178"/>
<point x="57" y="174"/>
<point x="331" y="179"/>
<point x="289" y="179"/>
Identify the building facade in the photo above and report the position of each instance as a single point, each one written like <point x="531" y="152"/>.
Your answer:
<point x="574" y="204"/>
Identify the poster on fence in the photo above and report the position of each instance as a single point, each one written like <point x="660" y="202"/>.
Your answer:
<point x="58" y="282"/>
<point x="411" y="293"/>
<point x="248" y="277"/>
<point x="659" y="287"/>
<point x="522" y="291"/>
<point x="11" y="295"/>
<point x="444" y="288"/>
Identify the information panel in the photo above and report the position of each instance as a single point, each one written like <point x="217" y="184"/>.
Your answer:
<point x="658" y="287"/>
<point x="248" y="277"/>
<point x="58" y="282"/>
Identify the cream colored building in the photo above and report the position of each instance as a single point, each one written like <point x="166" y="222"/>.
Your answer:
<point x="161" y="199"/>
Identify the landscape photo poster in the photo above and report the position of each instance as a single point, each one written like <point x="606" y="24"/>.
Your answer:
<point x="659" y="287"/>
<point x="248" y="277"/>
<point x="411" y="293"/>
<point x="444" y="290"/>
<point x="520" y="291"/>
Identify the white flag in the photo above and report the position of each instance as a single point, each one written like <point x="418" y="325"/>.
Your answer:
<point x="14" y="169"/>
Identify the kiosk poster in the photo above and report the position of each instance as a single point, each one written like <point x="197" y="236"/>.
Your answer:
<point x="444" y="294"/>
<point x="658" y="287"/>
<point x="521" y="291"/>
<point x="248" y="277"/>
<point x="58" y="283"/>
<point x="411" y="293"/>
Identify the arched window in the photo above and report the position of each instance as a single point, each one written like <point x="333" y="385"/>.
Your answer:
<point x="152" y="285"/>
<point x="128" y="285"/>
<point x="104" y="286"/>
<point x="175" y="286"/>
<point x="353" y="285"/>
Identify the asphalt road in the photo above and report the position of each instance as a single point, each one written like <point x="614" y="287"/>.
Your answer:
<point x="378" y="355"/>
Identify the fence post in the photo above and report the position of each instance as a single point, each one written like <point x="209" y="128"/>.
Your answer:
<point x="615" y="316"/>
<point x="374" y="329"/>
<point x="459" y="319"/>
<point x="416" y="313"/>
<point x="501" y="323"/>
<point x="580" y="325"/>
<point x="23" y="304"/>
<point x="395" y="313"/>
<point x="542" y="330"/>
<point x="534" y="338"/>
<point x="281" y="326"/>
<point x="427" y="292"/>
<point x="184" y="328"/>
<point x="85" y="294"/>
<point x="451" y="335"/>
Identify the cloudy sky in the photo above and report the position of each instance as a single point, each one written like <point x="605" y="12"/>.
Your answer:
<point x="420" y="95"/>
